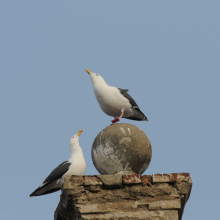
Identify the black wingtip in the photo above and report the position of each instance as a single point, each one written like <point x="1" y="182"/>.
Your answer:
<point x="32" y="194"/>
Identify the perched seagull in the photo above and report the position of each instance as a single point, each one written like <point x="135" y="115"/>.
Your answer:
<point x="76" y="165"/>
<point x="114" y="101"/>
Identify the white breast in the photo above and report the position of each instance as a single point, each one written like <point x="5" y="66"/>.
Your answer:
<point x="111" y="101"/>
<point x="78" y="163"/>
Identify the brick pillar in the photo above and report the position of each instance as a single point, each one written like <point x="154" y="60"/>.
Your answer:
<point x="133" y="197"/>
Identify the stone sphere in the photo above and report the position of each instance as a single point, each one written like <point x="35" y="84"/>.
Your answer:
<point x="121" y="148"/>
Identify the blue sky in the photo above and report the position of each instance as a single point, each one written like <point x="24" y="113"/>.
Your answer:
<point x="165" y="52"/>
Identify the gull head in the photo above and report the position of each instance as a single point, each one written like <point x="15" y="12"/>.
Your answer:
<point x="96" y="78"/>
<point x="74" y="141"/>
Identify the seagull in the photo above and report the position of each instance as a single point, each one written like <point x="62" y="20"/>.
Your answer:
<point x="76" y="165"/>
<point x="114" y="101"/>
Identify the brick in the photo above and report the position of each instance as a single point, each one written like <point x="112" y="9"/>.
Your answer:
<point x="162" y="178"/>
<point x="105" y="207"/>
<point x="132" y="179"/>
<point x="180" y="176"/>
<point x="146" y="179"/>
<point x="92" y="181"/>
<point x="165" y="204"/>
<point x="126" y="206"/>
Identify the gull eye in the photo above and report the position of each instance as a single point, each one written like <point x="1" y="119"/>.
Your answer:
<point x="96" y="74"/>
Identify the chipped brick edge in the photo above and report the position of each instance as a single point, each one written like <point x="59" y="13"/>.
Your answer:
<point x="92" y="181"/>
<point x="132" y="179"/>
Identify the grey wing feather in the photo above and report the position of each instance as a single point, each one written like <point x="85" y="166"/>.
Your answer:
<point x="127" y="96"/>
<point x="58" y="172"/>
<point x="139" y="115"/>
<point x="50" y="185"/>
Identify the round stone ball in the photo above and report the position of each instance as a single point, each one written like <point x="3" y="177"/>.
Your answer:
<point x="121" y="149"/>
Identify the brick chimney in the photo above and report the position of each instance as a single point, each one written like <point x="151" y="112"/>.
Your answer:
<point x="133" y="197"/>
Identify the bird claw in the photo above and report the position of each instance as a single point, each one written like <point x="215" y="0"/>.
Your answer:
<point x="115" y="120"/>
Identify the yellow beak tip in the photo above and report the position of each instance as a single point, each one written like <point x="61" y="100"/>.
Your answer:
<point x="88" y="71"/>
<point x="80" y="131"/>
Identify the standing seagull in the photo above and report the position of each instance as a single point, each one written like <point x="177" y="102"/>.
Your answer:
<point x="76" y="165"/>
<point x="114" y="101"/>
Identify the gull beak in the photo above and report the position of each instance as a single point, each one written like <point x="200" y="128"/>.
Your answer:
<point x="88" y="71"/>
<point x="80" y="131"/>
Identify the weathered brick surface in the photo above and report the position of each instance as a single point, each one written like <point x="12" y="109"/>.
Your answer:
<point x="180" y="176"/>
<point x="146" y="179"/>
<point x="92" y="181"/>
<point x="131" y="179"/>
<point x="142" y="215"/>
<point x="162" y="178"/>
<point x="111" y="181"/>
<point x="133" y="197"/>
<point x="172" y="177"/>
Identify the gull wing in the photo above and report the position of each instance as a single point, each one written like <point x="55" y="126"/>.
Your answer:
<point x="51" y="183"/>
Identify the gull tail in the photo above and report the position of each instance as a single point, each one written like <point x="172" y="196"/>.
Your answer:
<point x="138" y="115"/>
<point x="46" y="189"/>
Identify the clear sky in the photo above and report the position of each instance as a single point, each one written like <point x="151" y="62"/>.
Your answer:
<point x="167" y="53"/>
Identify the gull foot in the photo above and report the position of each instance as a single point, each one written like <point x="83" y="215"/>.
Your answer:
<point x="115" y="120"/>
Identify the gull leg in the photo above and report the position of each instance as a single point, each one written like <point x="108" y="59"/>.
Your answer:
<point x="122" y="114"/>
<point x="117" y="119"/>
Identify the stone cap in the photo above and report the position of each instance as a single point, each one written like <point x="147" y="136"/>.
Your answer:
<point x="137" y="197"/>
